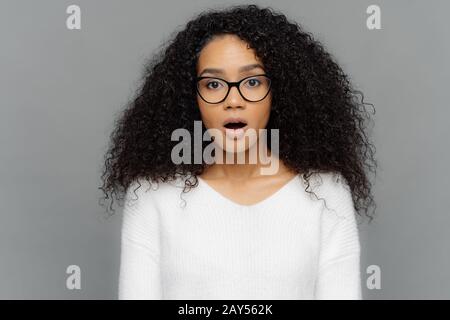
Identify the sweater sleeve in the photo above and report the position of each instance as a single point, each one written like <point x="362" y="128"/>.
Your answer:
<point x="339" y="261"/>
<point x="139" y="276"/>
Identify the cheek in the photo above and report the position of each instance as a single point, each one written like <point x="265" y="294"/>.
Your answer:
<point x="263" y="114"/>
<point x="201" y="107"/>
<point x="207" y="115"/>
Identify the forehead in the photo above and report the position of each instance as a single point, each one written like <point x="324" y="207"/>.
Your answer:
<point x="226" y="52"/>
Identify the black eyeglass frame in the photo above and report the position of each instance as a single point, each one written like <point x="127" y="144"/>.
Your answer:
<point x="234" y="84"/>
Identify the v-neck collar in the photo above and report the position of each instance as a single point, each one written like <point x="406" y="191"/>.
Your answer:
<point x="262" y="202"/>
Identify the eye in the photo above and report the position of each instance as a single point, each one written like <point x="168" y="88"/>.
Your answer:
<point x="215" y="84"/>
<point x="253" y="82"/>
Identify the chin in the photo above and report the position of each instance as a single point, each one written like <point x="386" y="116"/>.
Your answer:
<point x="237" y="146"/>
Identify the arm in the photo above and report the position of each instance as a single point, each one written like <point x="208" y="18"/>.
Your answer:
<point x="139" y="261"/>
<point x="339" y="262"/>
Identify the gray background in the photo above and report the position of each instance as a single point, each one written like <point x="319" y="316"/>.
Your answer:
<point x="60" y="90"/>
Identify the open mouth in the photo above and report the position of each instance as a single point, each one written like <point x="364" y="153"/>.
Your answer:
<point x="235" y="125"/>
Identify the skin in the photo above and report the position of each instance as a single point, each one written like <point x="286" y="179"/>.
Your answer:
<point x="241" y="183"/>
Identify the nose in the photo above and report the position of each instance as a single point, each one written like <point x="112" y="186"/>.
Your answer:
<point x="234" y="99"/>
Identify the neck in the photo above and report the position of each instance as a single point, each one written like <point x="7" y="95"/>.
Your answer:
<point x="243" y="171"/>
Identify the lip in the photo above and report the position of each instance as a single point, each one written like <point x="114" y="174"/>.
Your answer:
<point x="234" y="133"/>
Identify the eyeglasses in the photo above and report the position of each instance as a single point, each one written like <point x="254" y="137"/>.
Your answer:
<point x="215" y="90"/>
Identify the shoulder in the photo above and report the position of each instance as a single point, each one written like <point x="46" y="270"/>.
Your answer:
<point x="143" y="192"/>
<point x="333" y="188"/>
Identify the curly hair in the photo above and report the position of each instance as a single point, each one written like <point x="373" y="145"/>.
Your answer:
<point x="313" y="101"/>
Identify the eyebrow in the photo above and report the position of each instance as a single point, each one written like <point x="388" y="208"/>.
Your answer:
<point x="241" y="69"/>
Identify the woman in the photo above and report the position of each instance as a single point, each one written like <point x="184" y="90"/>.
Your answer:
<point x="240" y="232"/>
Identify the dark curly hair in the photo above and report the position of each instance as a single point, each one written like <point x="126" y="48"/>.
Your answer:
<point x="313" y="101"/>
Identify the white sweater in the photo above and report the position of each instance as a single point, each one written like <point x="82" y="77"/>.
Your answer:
<point x="206" y="246"/>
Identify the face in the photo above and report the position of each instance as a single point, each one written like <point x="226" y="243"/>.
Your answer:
<point x="227" y="57"/>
